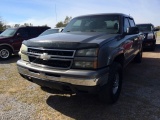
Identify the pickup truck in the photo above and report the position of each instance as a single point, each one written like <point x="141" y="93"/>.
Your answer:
<point x="87" y="57"/>
<point x="150" y="35"/>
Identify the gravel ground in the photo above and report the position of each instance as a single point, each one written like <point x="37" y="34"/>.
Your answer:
<point x="22" y="100"/>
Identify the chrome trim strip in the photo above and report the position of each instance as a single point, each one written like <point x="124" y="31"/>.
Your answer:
<point x="53" y="50"/>
<point x="72" y="80"/>
<point x="31" y="54"/>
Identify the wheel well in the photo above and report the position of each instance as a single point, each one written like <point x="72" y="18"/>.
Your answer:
<point x="7" y="47"/>
<point x="120" y="59"/>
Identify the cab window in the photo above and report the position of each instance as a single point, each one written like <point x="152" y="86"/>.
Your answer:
<point x="23" y="32"/>
<point x="126" y="24"/>
<point x="132" y="23"/>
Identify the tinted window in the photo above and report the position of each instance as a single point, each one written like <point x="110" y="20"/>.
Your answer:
<point x="131" y="21"/>
<point x="8" y="32"/>
<point x="41" y="29"/>
<point x="23" y="32"/>
<point x="33" y="32"/>
<point x="77" y="23"/>
<point x="97" y="23"/>
<point x="50" y="31"/>
<point x="36" y="31"/>
<point x="126" y="24"/>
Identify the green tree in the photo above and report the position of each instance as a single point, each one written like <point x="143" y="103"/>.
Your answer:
<point x="7" y="26"/>
<point x="63" y="24"/>
<point x="59" y="24"/>
<point x="67" y="20"/>
<point x="17" y="25"/>
<point x="26" y="24"/>
<point x="2" y="26"/>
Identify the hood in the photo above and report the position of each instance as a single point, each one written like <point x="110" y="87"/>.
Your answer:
<point x="70" y="40"/>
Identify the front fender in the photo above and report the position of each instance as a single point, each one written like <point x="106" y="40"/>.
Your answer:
<point x="115" y="53"/>
<point x="7" y="45"/>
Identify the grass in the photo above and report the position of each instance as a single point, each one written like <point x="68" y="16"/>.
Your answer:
<point x="11" y="82"/>
<point x="14" y="86"/>
<point x="7" y="108"/>
<point x="158" y="33"/>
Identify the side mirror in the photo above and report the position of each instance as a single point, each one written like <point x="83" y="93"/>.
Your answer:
<point x="132" y="30"/>
<point x="18" y="35"/>
<point x="62" y="30"/>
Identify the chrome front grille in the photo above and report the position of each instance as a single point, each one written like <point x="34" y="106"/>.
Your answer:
<point x="51" y="57"/>
<point x="52" y="52"/>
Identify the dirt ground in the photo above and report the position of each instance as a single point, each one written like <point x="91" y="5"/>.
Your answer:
<point x="139" y="100"/>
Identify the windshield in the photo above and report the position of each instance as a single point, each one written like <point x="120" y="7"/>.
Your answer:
<point x="97" y="23"/>
<point x="8" y="33"/>
<point x="143" y="28"/>
<point x="51" y="31"/>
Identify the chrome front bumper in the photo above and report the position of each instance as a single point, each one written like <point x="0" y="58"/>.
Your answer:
<point x="74" y="77"/>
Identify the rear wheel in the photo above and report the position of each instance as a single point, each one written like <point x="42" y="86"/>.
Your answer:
<point x="110" y="92"/>
<point x="5" y="53"/>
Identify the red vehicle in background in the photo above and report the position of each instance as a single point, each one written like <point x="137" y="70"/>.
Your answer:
<point x="11" y="39"/>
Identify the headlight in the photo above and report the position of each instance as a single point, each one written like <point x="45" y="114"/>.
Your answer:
<point x="85" y="65"/>
<point x="150" y="36"/>
<point x="23" y="49"/>
<point x="87" y="52"/>
<point x="23" y="52"/>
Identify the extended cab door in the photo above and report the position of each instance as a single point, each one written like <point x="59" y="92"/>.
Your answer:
<point x="136" y="41"/>
<point x="131" y="44"/>
<point x="21" y="34"/>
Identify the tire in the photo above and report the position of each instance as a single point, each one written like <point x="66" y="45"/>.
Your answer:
<point x="5" y="53"/>
<point x="138" y="58"/>
<point x="110" y="92"/>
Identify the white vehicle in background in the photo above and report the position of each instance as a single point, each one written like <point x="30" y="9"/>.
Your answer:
<point x="51" y="31"/>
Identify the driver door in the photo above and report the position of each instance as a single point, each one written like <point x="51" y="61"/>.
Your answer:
<point x="22" y="34"/>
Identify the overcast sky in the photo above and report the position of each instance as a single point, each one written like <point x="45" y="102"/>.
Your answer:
<point x="41" y="12"/>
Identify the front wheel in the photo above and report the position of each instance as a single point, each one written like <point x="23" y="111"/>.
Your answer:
<point x="110" y="92"/>
<point x="5" y="53"/>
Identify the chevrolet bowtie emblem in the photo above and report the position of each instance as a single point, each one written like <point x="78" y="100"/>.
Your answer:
<point x="45" y="56"/>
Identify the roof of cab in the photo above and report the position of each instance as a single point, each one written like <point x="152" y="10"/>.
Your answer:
<point x="144" y="24"/>
<point x="120" y="14"/>
<point x="30" y="27"/>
